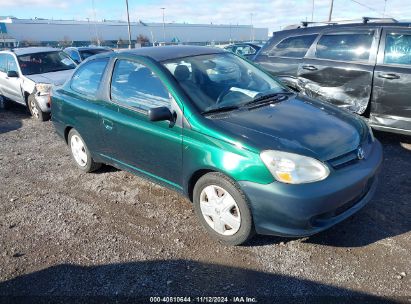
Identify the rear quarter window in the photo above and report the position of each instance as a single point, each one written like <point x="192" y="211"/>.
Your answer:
<point x="86" y="80"/>
<point x="345" y="46"/>
<point x="295" y="47"/>
<point x="398" y="49"/>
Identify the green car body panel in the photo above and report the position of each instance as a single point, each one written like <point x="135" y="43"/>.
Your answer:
<point x="202" y="149"/>
<point x="177" y="154"/>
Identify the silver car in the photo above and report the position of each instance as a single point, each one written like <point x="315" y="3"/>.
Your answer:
<point x="79" y="54"/>
<point x="27" y="75"/>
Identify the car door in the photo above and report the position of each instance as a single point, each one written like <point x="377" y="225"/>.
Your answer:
<point x="83" y="105"/>
<point x="13" y="88"/>
<point x="283" y="57"/>
<point x="391" y="101"/>
<point x="3" y="74"/>
<point x="138" y="144"/>
<point x="339" y="66"/>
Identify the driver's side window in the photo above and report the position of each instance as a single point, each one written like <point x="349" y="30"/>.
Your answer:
<point x="135" y="85"/>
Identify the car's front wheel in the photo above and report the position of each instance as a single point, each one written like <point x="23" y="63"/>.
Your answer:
<point x="35" y="109"/>
<point x="80" y="152"/>
<point x="222" y="208"/>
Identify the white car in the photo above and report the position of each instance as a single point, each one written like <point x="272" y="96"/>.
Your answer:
<point x="28" y="74"/>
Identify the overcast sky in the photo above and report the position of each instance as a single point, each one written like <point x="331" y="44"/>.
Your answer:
<point x="271" y="14"/>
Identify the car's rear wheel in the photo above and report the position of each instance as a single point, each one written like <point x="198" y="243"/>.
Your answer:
<point x="222" y="209"/>
<point x="80" y="152"/>
<point x="35" y="109"/>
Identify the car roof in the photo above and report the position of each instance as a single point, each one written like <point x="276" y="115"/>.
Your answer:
<point x="33" y="50"/>
<point x="317" y="28"/>
<point x="163" y="53"/>
<point x="244" y="43"/>
<point x="85" y="48"/>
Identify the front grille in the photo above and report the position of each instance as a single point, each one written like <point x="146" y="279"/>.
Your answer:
<point x="351" y="157"/>
<point x="344" y="160"/>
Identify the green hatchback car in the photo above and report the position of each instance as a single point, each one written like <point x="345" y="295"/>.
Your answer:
<point x="252" y="156"/>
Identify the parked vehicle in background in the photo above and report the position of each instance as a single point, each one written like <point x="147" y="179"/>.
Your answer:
<point x="363" y="67"/>
<point x="250" y="154"/>
<point x="246" y="50"/>
<point x="78" y="54"/>
<point x="27" y="75"/>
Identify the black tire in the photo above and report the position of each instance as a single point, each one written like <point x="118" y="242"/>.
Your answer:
<point x="246" y="230"/>
<point x="4" y="103"/>
<point x="90" y="165"/>
<point x="35" y="110"/>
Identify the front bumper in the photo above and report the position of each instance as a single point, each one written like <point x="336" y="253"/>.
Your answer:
<point x="305" y="209"/>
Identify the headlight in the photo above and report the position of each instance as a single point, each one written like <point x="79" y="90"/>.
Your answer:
<point x="293" y="168"/>
<point x="43" y="88"/>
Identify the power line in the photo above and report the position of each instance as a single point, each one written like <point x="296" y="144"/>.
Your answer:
<point x="369" y="7"/>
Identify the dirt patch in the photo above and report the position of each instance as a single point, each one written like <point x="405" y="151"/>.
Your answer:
<point x="63" y="232"/>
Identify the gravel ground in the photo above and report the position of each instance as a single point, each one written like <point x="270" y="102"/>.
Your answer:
<point x="110" y="233"/>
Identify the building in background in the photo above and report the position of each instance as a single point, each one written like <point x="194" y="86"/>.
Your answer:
<point x="30" y="32"/>
<point x="6" y="41"/>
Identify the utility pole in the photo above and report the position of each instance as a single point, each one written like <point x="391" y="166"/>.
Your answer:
<point x="312" y="12"/>
<point x="230" y="33"/>
<point x="164" y="26"/>
<point x="89" y="30"/>
<point x="128" y="25"/>
<point x="385" y="6"/>
<point x="331" y="11"/>
<point x="252" y="29"/>
<point x="95" y="23"/>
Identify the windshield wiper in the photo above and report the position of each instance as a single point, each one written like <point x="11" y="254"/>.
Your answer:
<point x="59" y="69"/>
<point x="269" y="98"/>
<point x="220" y="110"/>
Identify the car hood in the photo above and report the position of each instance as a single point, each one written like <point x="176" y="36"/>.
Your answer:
<point x="55" y="78"/>
<point x="297" y="125"/>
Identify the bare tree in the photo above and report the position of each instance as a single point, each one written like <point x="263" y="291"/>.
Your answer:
<point x="143" y="40"/>
<point x="121" y="43"/>
<point x="25" y="43"/>
<point x="66" y="42"/>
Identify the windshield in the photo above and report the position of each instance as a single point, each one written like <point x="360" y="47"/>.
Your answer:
<point x="88" y="53"/>
<point x="40" y="63"/>
<point x="221" y="80"/>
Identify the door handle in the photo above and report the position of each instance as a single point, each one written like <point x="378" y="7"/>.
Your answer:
<point x="389" y="76"/>
<point x="108" y="124"/>
<point x="309" y="68"/>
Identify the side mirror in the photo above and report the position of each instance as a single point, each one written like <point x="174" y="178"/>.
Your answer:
<point x="160" y="114"/>
<point x="77" y="61"/>
<point x="12" y="74"/>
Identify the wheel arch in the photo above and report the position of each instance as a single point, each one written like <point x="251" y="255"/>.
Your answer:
<point x="26" y="98"/>
<point x="66" y="133"/>
<point x="194" y="178"/>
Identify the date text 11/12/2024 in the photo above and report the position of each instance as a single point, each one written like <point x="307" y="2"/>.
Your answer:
<point x="240" y="299"/>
